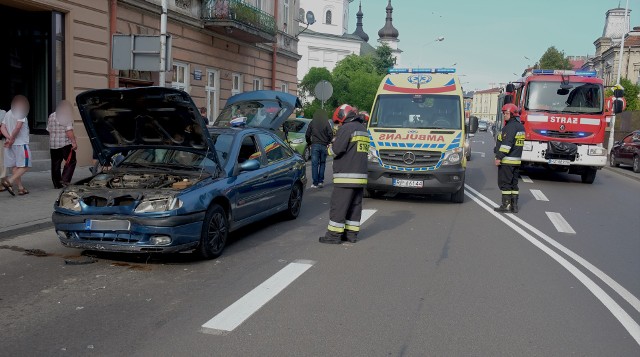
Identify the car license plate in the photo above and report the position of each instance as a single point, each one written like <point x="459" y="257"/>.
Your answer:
<point x="107" y="225"/>
<point x="408" y="183"/>
<point x="559" y="162"/>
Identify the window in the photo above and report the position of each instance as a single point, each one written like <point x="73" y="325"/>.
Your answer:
<point x="257" y="83"/>
<point x="301" y="16"/>
<point x="284" y="87"/>
<point x="259" y="4"/>
<point x="236" y="83"/>
<point x="249" y="150"/>
<point x="285" y="11"/>
<point x="273" y="148"/>
<point x="213" y="83"/>
<point x="327" y="17"/>
<point x="180" y="79"/>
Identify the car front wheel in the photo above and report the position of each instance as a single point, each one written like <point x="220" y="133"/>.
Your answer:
<point x="215" y="232"/>
<point x="612" y="161"/>
<point x="636" y="164"/>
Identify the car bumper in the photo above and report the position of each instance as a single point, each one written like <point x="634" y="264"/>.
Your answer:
<point x="444" y="180"/>
<point x="536" y="154"/>
<point x="184" y="232"/>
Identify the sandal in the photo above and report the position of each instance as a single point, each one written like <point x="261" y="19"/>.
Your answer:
<point x="7" y="186"/>
<point x="23" y="191"/>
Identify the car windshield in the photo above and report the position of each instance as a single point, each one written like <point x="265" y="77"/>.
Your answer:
<point x="295" y="126"/>
<point x="422" y="111"/>
<point x="256" y="113"/>
<point x="584" y="98"/>
<point x="158" y="158"/>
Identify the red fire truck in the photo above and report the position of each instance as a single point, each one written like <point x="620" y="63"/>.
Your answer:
<point x="565" y="120"/>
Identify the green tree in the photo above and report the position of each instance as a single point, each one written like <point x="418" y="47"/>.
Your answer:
<point x="383" y="58"/>
<point x="631" y="92"/>
<point x="309" y="108"/>
<point x="554" y="59"/>
<point x="346" y="71"/>
<point x="313" y="77"/>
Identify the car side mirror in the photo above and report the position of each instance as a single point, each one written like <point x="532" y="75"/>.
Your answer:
<point x="473" y="124"/>
<point x="250" y="165"/>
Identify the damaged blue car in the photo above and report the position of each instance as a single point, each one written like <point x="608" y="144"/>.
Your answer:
<point x="181" y="185"/>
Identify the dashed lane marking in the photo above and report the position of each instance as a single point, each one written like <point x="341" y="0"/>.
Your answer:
<point x="482" y="154"/>
<point x="539" y="195"/>
<point x="560" y="223"/>
<point x="366" y="214"/>
<point x="234" y="315"/>
<point x="526" y="179"/>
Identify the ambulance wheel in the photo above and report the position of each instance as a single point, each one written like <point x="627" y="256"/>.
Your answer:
<point x="368" y="193"/>
<point x="589" y="176"/>
<point x="458" y="196"/>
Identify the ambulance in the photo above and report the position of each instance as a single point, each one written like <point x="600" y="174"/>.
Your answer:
<point x="417" y="134"/>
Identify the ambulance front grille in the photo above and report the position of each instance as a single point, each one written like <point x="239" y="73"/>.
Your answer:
<point x="402" y="158"/>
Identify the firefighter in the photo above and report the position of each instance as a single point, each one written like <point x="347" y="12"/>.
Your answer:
<point x="508" y="152"/>
<point x="349" y="150"/>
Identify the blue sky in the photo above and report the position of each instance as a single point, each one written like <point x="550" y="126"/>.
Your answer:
<point x="488" y="39"/>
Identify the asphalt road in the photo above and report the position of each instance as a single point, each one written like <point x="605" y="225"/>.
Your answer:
<point x="428" y="278"/>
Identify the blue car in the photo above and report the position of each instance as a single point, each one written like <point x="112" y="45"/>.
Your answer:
<point x="181" y="185"/>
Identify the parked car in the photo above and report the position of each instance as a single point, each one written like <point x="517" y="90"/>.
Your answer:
<point x="182" y="186"/>
<point x="483" y="125"/>
<point x="627" y="151"/>
<point x="295" y="130"/>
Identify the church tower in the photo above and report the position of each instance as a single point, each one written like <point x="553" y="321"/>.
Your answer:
<point x="389" y="35"/>
<point x="359" y="30"/>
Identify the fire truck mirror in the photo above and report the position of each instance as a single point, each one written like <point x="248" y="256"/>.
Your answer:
<point x="511" y="88"/>
<point x="618" y="93"/>
<point x="563" y="91"/>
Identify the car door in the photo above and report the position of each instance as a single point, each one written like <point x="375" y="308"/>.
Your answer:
<point x="251" y="187"/>
<point x="280" y="168"/>
<point x="626" y="150"/>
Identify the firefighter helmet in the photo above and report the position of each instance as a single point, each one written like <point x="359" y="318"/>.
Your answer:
<point x="340" y="114"/>
<point x="365" y="116"/>
<point x="511" y="108"/>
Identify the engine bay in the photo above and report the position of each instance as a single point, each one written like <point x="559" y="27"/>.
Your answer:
<point x="141" y="181"/>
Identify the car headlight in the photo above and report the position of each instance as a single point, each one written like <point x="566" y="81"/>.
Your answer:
<point x="373" y="154"/>
<point x="297" y="141"/>
<point x="453" y="156"/>
<point x="597" y="151"/>
<point x="69" y="200"/>
<point x="158" y="205"/>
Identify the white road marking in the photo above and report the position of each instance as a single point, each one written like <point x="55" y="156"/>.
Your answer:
<point x="478" y="152"/>
<point x="560" y="223"/>
<point x="624" y="293"/>
<point x="526" y="179"/>
<point x="366" y="214"/>
<point x="234" y="315"/>
<point x="539" y="195"/>
<point x="622" y="316"/>
<point x="478" y="141"/>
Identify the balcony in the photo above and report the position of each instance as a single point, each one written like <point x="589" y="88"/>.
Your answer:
<point x="235" y="18"/>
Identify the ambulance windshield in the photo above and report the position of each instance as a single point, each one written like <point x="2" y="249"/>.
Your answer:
<point x="547" y="96"/>
<point x="421" y="111"/>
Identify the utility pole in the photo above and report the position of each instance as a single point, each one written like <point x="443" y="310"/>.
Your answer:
<point x="613" y="118"/>
<point x="163" y="44"/>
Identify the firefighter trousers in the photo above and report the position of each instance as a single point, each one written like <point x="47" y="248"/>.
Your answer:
<point x="345" y="213"/>
<point x="508" y="179"/>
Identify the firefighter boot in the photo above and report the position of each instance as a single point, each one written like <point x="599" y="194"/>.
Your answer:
<point x="514" y="203"/>
<point x="506" y="204"/>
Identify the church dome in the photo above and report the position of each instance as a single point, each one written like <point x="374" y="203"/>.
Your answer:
<point x="388" y="31"/>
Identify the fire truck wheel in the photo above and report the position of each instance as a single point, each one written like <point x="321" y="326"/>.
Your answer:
<point x="589" y="176"/>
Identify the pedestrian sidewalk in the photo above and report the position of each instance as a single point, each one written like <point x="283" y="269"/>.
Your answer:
<point x="624" y="171"/>
<point x="28" y="213"/>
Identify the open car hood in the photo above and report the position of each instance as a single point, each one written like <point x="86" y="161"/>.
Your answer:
<point x="266" y="109"/>
<point x="118" y="120"/>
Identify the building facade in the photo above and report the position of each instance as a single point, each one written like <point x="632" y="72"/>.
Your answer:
<point x="485" y="104"/>
<point x="56" y="49"/>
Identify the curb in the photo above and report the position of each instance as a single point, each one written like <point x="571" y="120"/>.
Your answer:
<point x="624" y="172"/>
<point x="25" y="228"/>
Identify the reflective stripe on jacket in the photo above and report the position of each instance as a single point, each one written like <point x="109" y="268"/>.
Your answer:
<point x="510" y="142"/>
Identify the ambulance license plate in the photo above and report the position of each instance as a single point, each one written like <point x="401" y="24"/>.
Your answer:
<point x="408" y="183"/>
<point x="559" y="162"/>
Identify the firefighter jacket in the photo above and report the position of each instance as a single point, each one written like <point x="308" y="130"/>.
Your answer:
<point x="510" y="142"/>
<point x="349" y="150"/>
